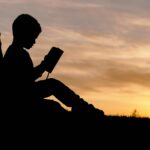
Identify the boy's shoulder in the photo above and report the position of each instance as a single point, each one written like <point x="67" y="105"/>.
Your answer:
<point x="16" y="51"/>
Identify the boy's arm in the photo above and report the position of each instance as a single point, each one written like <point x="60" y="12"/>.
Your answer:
<point x="39" y="70"/>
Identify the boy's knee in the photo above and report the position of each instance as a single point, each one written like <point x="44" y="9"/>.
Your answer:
<point x="55" y="83"/>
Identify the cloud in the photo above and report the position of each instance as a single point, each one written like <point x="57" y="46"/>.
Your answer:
<point x="13" y="2"/>
<point x="111" y="74"/>
<point x="128" y="74"/>
<point x="100" y="18"/>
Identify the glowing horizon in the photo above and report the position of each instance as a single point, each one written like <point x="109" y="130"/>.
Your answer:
<point x="106" y="48"/>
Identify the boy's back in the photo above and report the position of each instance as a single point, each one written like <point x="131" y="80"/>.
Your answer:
<point x="17" y="77"/>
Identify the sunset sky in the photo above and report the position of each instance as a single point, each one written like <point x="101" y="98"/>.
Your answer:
<point x="106" y="47"/>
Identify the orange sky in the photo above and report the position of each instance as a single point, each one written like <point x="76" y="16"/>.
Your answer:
<point x="106" y="48"/>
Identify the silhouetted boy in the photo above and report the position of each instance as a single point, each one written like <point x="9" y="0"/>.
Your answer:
<point x="23" y="92"/>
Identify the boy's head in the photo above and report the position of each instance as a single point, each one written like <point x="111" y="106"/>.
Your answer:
<point x="25" y="30"/>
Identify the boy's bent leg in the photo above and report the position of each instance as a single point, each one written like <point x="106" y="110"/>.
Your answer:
<point x="45" y="88"/>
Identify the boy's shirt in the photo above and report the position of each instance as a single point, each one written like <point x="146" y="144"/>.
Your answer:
<point x="18" y="76"/>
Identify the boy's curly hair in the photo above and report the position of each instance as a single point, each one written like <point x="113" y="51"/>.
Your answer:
<point x="25" y="25"/>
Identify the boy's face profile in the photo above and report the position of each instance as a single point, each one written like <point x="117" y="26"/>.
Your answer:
<point x="29" y="41"/>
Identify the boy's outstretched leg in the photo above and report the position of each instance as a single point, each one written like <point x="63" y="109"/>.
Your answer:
<point x="64" y="94"/>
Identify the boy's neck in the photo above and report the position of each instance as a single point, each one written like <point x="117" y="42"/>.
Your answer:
<point x="17" y="43"/>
